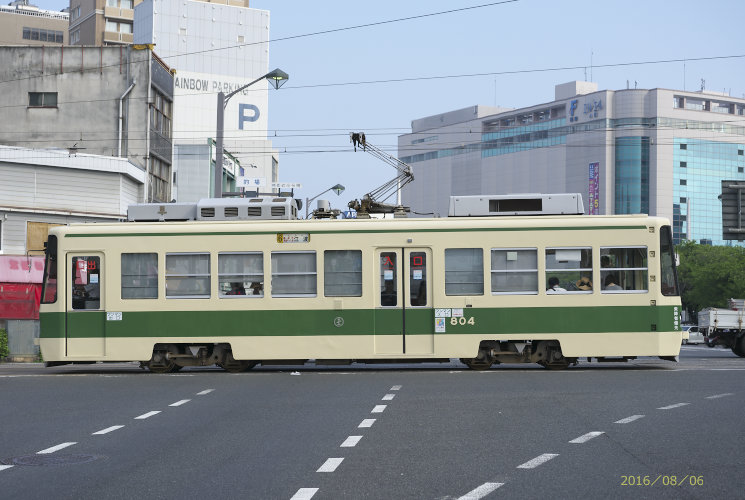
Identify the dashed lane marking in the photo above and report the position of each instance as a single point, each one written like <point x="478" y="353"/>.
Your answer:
<point x="586" y="437"/>
<point x="147" y="415"/>
<point x="676" y="405"/>
<point x="3" y="467"/>
<point x="304" y="494"/>
<point x="330" y="465"/>
<point x="351" y="442"/>
<point x="378" y="409"/>
<point x="541" y="459"/>
<point x="107" y="430"/>
<point x="388" y="397"/>
<point x="628" y="420"/>
<point x="206" y="391"/>
<point x="55" y="448"/>
<point x="179" y="403"/>
<point x="368" y="422"/>
<point x="717" y="396"/>
<point x="481" y="491"/>
<point x="396" y="388"/>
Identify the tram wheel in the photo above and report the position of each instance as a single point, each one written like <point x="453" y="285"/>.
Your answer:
<point x="160" y="364"/>
<point x="477" y="364"/>
<point x="232" y="365"/>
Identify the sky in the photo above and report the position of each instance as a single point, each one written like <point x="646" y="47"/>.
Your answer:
<point x="370" y="75"/>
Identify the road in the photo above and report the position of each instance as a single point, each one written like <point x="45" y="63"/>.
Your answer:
<point x="402" y="431"/>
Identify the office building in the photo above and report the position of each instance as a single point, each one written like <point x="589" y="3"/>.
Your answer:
<point x="25" y="24"/>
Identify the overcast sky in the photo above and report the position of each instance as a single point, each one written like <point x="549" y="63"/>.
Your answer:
<point x="520" y="45"/>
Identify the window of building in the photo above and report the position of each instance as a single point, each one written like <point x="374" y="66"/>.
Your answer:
<point x="684" y="146"/>
<point x="160" y="174"/>
<point x="740" y="170"/>
<point x="160" y="114"/>
<point x="294" y="274"/>
<point x="623" y="269"/>
<point x="139" y="276"/>
<point x="240" y="274"/>
<point x="683" y="199"/>
<point x="188" y="275"/>
<point x="342" y="273"/>
<point x="42" y="99"/>
<point x="695" y="104"/>
<point x="571" y="268"/>
<point x="464" y="271"/>
<point x="514" y="270"/>
<point x="683" y="182"/>
<point x="75" y="37"/>
<point x="683" y="164"/>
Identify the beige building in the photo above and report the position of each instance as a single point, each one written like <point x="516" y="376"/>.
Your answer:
<point x="23" y="24"/>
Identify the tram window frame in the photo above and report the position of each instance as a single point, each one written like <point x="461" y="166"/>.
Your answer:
<point x="610" y="264"/>
<point x="131" y="281"/>
<point x="459" y="256"/>
<point x="568" y="276"/>
<point x="668" y="269"/>
<point x="334" y="274"/>
<point x="279" y="275"/>
<point x="236" y="283"/>
<point x="85" y="289"/>
<point x="189" y="276"/>
<point x="514" y="271"/>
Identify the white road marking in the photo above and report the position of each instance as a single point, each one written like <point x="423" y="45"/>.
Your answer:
<point x="396" y="388"/>
<point x="207" y="391"/>
<point x="677" y="405"/>
<point x="330" y="465"/>
<point x="107" y="430"/>
<point x="304" y="494"/>
<point x="628" y="420"/>
<point x="388" y="397"/>
<point x="54" y="448"/>
<point x="147" y="415"/>
<point x="717" y="396"/>
<point x="481" y="491"/>
<point x="532" y="464"/>
<point x="586" y="437"/>
<point x="378" y="409"/>
<point x="351" y="442"/>
<point x="179" y="403"/>
<point x="3" y="467"/>
<point x="368" y="422"/>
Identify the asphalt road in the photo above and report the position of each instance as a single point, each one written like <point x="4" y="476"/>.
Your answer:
<point x="643" y="429"/>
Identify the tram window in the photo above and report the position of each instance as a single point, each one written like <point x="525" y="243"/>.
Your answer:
<point x="418" y="279"/>
<point x="514" y="270"/>
<point x="49" y="293"/>
<point x="342" y="273"/>
<point x="388" y="279"/>
<point x="86" y="285"/>
<point x="669" y="276"/>
<point x="240" y="274"/>
<point x="623" y="269"/>
<point x="464" y="271"/>
<point x="188" y="275"/>
<point x="572" y="267"/>
<point x="294" y="274"/>
<point x="139" y="276"/>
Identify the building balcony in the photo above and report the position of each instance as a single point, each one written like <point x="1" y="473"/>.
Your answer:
<point x="114" y="37"/>
<point x="119" y="14"/>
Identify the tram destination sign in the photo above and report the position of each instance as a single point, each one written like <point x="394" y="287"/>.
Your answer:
<point x="293" y="238"/>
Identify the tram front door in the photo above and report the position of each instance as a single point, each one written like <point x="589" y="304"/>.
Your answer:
<point x="404" y="317"/>
<point x="85" y="322"/>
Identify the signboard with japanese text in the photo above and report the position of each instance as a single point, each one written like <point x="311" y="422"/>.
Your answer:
<point x="594" y="189"/>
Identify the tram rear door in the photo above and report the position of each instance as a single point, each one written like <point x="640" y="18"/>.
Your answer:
<point x="85" y="324"/>
<point x="404" y="317"/>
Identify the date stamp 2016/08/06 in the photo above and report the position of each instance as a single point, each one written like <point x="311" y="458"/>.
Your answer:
<point x="663" y="480"/>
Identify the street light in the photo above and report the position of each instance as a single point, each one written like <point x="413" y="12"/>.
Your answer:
<point x="276" y="79"/>
<point x="338" y="189"/>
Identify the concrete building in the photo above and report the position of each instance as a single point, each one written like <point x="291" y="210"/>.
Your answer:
<point x="110" y="101"/>
<point x="25" y="24"/>
<point x="101" y="22"/>
<point x="657" y="151"/>
<point x="214" y="46"/>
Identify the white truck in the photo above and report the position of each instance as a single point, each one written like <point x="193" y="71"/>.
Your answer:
<point x="724" y="327"/>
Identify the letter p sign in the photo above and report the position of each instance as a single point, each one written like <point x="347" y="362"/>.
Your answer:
<point x="247" y="113"/>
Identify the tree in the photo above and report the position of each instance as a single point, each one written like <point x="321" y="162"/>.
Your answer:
<point x="710" y="275"/>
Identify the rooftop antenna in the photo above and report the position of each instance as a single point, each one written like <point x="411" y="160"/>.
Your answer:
<point x="590" y="65"/>
<point x="703" y="84"/>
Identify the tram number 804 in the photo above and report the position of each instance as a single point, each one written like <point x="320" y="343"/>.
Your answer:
<point x="462" y="321"/>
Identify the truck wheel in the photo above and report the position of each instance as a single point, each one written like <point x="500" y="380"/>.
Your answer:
<point x="739" y="347"/>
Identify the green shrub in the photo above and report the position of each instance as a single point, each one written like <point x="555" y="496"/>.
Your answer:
<point x="3" y="344"/>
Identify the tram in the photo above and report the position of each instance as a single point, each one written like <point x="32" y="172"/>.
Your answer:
<point x="486" y="290"/>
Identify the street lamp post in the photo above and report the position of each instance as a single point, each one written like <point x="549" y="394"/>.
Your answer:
<point x="276" y="78"/>
<point x="338" y="189"/>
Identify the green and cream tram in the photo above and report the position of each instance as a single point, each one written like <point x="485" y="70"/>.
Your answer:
<point x="547" y="289"/>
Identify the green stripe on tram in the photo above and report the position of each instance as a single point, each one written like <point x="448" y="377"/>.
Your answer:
<point x="357" y="231"/>
<point x="487" y="322"/>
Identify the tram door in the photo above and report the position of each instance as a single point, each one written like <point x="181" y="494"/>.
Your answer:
<point x="85" y="316"/>
<point x="404" y="317"/>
